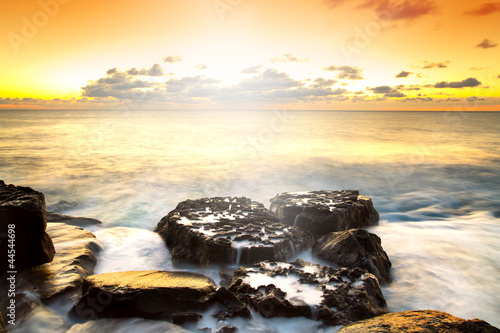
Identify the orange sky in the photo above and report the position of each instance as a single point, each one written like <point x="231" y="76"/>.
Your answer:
<point x="250" y="54"/>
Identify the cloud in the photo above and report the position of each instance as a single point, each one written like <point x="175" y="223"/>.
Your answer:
<point x="288" y="58"/>
<point x="346" y="72"/>
<point x="470" y="82"/>
<point x="269" y="79"/>
<point x="321" y="82"/>
<point x="401" y="10"/>
<point x="428" y="65"/>
<point x="485" y="9"/>
<point x="486" y="44"/>
<point x="475" y="99"/>
<point x="201" y="67"/>
<point x="387" y="91"/>
<point x="172" y="59"/>
<point x="334" y="3"/>
<point x="498" y="77"/>
<point x="155" y="70"/>
<point x="252" y="70"/>
<point x="403" y="74"/>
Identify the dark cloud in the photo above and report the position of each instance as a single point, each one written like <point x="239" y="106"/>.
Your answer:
<point x="485" y="9"/>
<point x="387" y="91"/>
<point x="346" y="72"/>
<point x="403" y="74"/>
<point x="288" y="58"/>
<point x="112" y="71"/>
<point x="401" y="10"/>
<point x="321" y="82"/>
<point x="252" y="70"/>
<point x="486" y="44"/>
<point x="412" y="87"/>
<point x="470" y="82"/>
<point x="172" y="59"/>
<point x="155" y="70"/>
<point x="428" y="65"/>
<point x="498" y="77"/>
<point x="201" y="67"/>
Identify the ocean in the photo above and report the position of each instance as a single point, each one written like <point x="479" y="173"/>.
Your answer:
<point x="434" y="177"/>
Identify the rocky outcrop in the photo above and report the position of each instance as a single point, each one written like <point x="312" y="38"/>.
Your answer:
<point x="229" y="230"/>
<point x="322" y="212"/>
<point x="22" y="217"/>
<point x="145" y="294"/>
<point x="71" y="220"/>
<point x="423" y="321"/>
<point x="74" y="261"/>
<point x="227" y="329"/>
<point x="334" y="296"/>
<point x="355" y="248"/>
<point x="126" y="325"/>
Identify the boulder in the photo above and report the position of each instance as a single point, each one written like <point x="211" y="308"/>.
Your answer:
<point x="230" y="231"/>
<point x="233" y="303"/>
<point x="71" y="220"/>
<point x="227" y="329"/>
<point x="420" y="321"/>
<point x="322" y="212"/>
<point x="145" y="294"/>
<point x="126" y="326"/>
<point x="74" y="261"/>
<point x="333" y="296"/>
<point x="355" y="248"/>
<point x="22" y="215"/>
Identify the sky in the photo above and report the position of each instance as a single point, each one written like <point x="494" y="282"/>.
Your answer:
<point x="250" y="54"/>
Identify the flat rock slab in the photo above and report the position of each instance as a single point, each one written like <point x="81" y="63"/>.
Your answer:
<point x="23" y="209"/>
<point x="334" y="296"/>
<point x="322" y="212"/>
<point x="126" y="326"/>
<point x="145" y="294"/>
<point x="71" y="220"/>
<point x="229" y="231"/>
<point x="355" y="248"/>
<point x="74" y="261"/>
<point x="421" y="321"/>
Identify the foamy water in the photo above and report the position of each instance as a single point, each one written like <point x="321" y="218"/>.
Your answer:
<point x="434" y="178"/>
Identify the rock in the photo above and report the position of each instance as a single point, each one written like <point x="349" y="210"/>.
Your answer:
<point x="334" y="296"/>
<point x="227" y="329"/>
<point x="322" y="212"/>
<point x="355" y="248"/>
<point x="420" y="321"/>
<point x="145" y="294"/>
<point x="233" y="303"/>
<point x="229" y="230"/>
<point x="2" y="324"/>
<point x="23" y="208"/>
<point x="181" y="318"/>
<point x="126" y="326"/>
<point x="71" y="220"/>
<point x="62" y="205"/>
<point x="74" y="261"/>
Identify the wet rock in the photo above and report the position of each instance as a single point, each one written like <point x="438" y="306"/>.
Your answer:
<point x="233" y="303"/>
<point x="421" y="321"/>
<point x="23" y="208"/>
<point x="355" y="248"/>
<point x="180" y="318"/>
<point x="322" y="212"/>
<point x="227" y="329"/>
<point x="2" y="324"/>
<point x="71" y="220"/>
<point x="74" y="261"/>
<point x="125" y="326"/>
<point x="145" y="294"/>
<point x="229" y="230"/>
<point x="333" y="296"/>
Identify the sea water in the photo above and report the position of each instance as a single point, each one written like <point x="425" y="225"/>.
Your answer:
<point x="434" y="177"/>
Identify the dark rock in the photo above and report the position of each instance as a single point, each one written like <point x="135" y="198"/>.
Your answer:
<point x="146" y="294"/>
<point x="229" y="230"/>
<point x="74" y="261"/>
<point x="227" y="329"/>
<point x="62" y="205"/>
<point x="71" y="220"/>
<point x="180" y="318"/>
<point x="226" y="275"/>
<point x="322" y="212"/>
<point x="355" y="248"/>
<point x="421" y="321"/>
<point x="126" y="325"/>
<point x="24" y="208"/>
<point x="2" y="324"/>
<point x="233" y="303"/>
<point x="334" y="296"/>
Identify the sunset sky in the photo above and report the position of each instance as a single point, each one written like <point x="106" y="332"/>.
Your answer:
<point x="250" y="54"/>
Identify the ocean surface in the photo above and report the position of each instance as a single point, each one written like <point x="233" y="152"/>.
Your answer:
<point x="434" y="177"/>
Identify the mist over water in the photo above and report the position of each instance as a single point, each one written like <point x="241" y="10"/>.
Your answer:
<point x="433" y="177"/>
